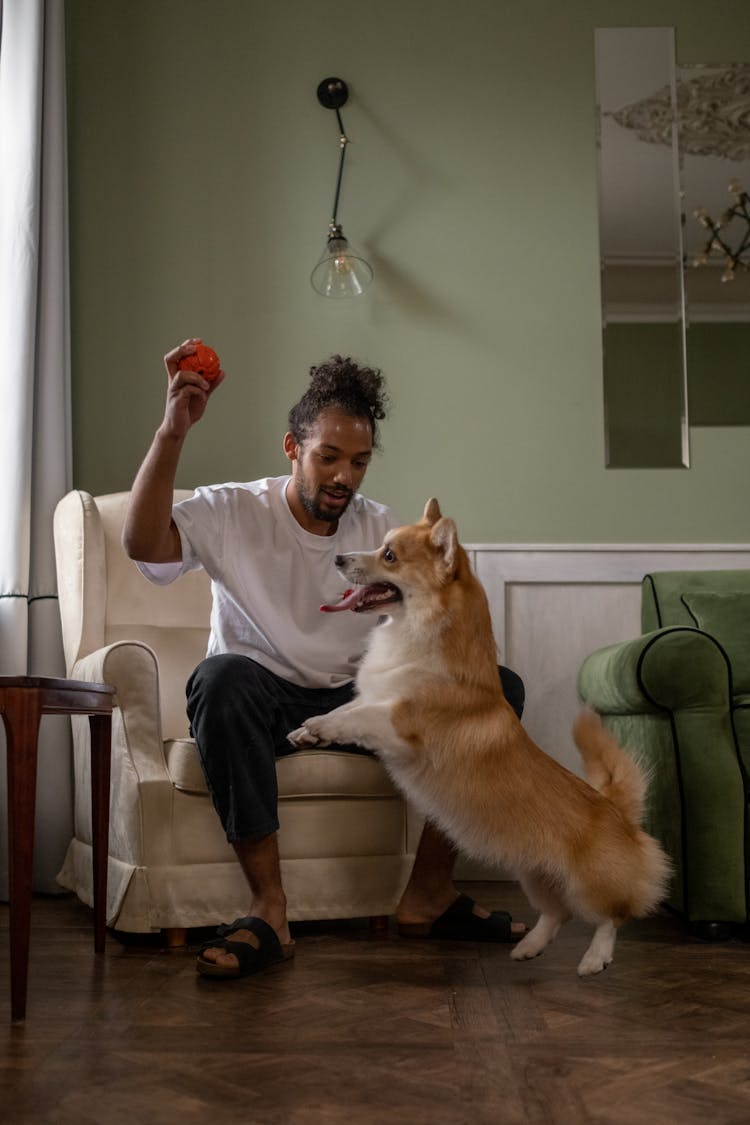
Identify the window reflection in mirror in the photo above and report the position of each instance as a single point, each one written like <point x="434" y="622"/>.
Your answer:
<point x="645" y="381"/>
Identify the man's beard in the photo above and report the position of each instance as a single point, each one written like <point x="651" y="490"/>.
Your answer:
<point x="311" y="502"/>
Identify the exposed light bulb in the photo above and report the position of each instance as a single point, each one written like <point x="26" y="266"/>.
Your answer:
<point x="341" y="271"/>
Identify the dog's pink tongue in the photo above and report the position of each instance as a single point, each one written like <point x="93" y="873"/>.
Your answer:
<point x="349" y="599"/>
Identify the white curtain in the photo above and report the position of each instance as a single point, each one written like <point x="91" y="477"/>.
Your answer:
<point x="35" y="455"/>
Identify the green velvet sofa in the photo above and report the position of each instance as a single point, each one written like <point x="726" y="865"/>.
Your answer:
<point x="679" y="698"/>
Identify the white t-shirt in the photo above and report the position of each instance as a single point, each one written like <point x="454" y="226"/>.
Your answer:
<point x="269" y="578"/>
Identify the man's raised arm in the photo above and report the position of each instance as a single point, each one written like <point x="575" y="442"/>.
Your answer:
<point x="149" y="533"/>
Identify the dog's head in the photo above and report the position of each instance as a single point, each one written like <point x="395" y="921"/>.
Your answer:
<point x="416" y="561"/>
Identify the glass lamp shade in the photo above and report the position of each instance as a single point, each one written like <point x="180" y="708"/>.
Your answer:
<point x="341" y="271"/>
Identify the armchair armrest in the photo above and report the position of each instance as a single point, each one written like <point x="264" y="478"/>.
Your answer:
<point x="671" y="668"/>
<point x="141" y="820"/>
<point x="132" y="668"/>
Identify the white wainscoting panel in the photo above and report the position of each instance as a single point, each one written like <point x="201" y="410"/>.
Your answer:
<point x="553" y="604"/>
<point x="549" y="630"/>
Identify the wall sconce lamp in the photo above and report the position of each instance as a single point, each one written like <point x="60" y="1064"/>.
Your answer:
<point x="341" y="271"/>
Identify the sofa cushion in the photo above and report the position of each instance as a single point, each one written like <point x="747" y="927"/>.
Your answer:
<point x="726" y="616"/>
<point x="662" y="592"/>
<point x="306" y="773"/>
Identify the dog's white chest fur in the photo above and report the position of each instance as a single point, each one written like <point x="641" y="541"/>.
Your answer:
<point x="394" y="665"/>
<point x="396" y="661"/>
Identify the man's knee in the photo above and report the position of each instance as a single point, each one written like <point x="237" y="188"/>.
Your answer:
<point x="219" y="676"/>
<point x="226" y="701"/>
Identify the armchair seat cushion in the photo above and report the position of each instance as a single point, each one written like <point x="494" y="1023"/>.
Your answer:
<point x="184" y="765"/>
<point x="306" y="773"/>
<point x="332" y="773"/>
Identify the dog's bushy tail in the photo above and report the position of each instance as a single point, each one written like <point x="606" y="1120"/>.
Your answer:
<point x="618" y="776"/>
<point x="608" y="767"/>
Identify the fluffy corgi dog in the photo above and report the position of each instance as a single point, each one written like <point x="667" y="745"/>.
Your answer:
<point x="430" y="704"/>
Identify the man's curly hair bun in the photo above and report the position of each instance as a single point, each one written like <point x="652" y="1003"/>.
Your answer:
<point x="341" y="384"/>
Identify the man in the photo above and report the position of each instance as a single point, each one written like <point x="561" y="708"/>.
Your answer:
<point x="273" y="658"/>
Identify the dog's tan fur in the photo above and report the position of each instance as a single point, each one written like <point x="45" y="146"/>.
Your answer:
<point x="429" y="702"/>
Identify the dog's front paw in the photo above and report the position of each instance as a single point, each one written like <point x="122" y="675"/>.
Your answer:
<point x="306" y="736"/>
<point x="526" y="949"/>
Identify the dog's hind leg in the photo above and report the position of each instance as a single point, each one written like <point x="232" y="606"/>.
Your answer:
<point x="552" y="915"/>
<point x="601" y="951"/>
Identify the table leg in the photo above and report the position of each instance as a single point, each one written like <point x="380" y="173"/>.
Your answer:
<point x="21" y="717"/>
<point x="101" y="749"/>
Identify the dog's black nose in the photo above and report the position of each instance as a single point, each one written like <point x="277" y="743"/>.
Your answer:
<point x="339" y="560"/>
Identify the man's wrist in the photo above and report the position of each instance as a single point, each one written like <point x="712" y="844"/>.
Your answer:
<point x="167" y="437"/>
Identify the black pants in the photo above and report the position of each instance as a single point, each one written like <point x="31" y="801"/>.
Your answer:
<point x="240" y="714"/>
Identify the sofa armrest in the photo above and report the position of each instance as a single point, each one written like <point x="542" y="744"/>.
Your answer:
<point x="672" y="668"/>
<point x="666" y="697"/>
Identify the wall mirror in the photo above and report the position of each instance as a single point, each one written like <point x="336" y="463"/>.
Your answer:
<point x="672" y="141"/>
<point x="640" y="239"/>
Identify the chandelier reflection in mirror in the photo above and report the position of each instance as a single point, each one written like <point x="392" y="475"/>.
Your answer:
<point x="341" y="271"/>
<point x="739" y="257"/>
<point x="713" y="120"/>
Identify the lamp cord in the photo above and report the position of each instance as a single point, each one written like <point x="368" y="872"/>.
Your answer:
<point x="344" y="141"/>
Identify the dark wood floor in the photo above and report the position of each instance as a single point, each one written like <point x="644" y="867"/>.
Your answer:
<point x="364" y="1030"/>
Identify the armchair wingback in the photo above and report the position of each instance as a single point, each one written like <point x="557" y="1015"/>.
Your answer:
<point x="679" y="697"/>
<point x="345" y="837"/>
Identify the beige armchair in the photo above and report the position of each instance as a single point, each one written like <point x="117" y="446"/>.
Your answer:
<point x="346" y="841"/>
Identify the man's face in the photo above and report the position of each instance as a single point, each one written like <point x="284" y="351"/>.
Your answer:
<point x="328" y="467"/>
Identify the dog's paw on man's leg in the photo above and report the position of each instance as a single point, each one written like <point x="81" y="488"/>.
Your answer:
<point x="322" y="730"/>
<point x="304" y="738"/>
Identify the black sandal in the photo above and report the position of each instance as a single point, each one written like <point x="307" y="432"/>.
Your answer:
<point x="460" y="923"/>
<point x="252" y="956"/>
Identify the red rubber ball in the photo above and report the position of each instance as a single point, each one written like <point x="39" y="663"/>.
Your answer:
<point x="204" y="360"/>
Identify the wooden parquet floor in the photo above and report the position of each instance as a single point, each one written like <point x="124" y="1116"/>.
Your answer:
<point x="363" y="1031"/>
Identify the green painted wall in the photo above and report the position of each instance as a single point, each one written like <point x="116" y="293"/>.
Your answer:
<point x="719" y="374"/>
<point x="202" y="171"/>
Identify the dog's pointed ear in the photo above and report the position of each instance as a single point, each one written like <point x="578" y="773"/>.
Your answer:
<point x="444" y="538"/>
<point x="432" y="512"/>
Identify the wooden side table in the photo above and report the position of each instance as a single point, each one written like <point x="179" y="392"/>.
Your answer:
<point x="23" y="701"/>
